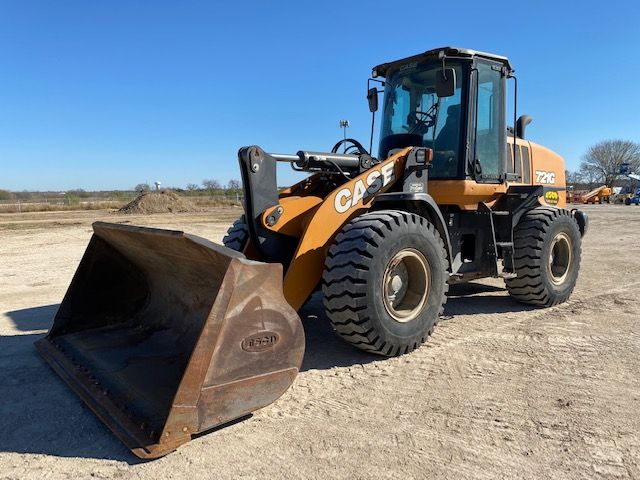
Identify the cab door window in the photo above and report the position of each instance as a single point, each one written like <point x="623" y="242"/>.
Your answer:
<point x="489" y="134"/>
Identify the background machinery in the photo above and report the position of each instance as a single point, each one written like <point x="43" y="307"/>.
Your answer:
<point x="165" y="335"/>
<point x="633" y="199"/>
<point x="598" y="195"/>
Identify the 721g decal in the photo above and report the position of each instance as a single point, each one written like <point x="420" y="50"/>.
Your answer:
<point x="545" y="177"/>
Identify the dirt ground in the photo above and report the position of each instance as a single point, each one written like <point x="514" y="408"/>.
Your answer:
<point x="500" y="390"/>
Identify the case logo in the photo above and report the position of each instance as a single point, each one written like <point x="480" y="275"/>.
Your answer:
<point x="362" y="188"/>
<point x="259" y="342"/>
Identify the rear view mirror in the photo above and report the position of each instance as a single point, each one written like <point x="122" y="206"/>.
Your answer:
<point x="445" y="82"/>
<point x="372" y="98"/>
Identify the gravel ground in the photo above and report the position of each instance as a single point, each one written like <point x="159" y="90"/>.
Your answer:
<point x="499" y="391"/>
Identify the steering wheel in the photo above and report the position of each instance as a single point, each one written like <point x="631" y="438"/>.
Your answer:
<point x="416" y="116"/>
<point x="423" y="120"/>
<point x="352" y="143"/>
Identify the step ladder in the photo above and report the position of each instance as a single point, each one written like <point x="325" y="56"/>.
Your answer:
<point x="506" y="247"/>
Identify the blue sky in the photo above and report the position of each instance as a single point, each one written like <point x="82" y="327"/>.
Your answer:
<point x="108" y="94"/>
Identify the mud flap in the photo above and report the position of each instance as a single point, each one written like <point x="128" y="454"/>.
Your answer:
<point x="165" y="335"/>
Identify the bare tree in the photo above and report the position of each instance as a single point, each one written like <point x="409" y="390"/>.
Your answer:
<point x="574" y="177"/>
<point x="211" y="184"/>
<point x="233" y="185"/>
<point x="192" y="187"/>
<point x="570" y="177"/>
<point x="602" y="162"/>
<point x="142" y="187"/>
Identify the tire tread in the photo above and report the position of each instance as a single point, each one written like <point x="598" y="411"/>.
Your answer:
<point x="529" y="236"/>
<point x="344" y="278"/>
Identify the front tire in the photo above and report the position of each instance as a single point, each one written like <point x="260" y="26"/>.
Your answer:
<point x="547" y="248"/>
<point x="237" y="235"/>
<point x="385" y="282"/>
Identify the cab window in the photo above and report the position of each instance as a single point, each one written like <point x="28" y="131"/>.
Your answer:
<point x="413" y="115"/>
<point x="489" y="134"/>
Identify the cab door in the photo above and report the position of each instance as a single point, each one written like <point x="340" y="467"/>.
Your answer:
<point x="488" y="142"/>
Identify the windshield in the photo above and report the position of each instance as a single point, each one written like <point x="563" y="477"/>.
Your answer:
<point x="414" y="116"/>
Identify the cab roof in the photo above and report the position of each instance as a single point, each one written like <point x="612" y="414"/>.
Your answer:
<point x="382" y="69"/>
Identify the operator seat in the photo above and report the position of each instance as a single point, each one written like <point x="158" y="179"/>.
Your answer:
<point x="448" y="138"/>
<point x="445" y="148"/>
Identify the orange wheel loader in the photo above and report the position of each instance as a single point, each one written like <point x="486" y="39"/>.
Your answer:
<point x="165" y="335"/>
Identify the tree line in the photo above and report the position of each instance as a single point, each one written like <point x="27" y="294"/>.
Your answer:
<point x="605" y="162"/>
<point x="602" y="164"/>
<point x="208" y="185"/>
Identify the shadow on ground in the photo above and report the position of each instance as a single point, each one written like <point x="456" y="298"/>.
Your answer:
<point x="36" y="318"/>
<point x="324" y="348"/>
<point x="40" y="414"/>
<point x="479" y="298"/>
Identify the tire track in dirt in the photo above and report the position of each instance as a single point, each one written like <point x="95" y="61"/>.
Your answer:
<point x="529" y="343"/>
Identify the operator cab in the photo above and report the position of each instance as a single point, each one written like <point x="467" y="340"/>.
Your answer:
<point x="465" y="127"/>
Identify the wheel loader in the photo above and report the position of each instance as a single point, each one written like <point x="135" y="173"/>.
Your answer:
<point x="165" y="335"/>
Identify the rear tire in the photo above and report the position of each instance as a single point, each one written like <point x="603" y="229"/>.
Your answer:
<point x="237" y="235"/>
<point x="547" y="248"/>
<point x="385" y="282"/>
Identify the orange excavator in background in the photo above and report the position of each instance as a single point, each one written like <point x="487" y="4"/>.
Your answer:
<point x="165" y="335"/>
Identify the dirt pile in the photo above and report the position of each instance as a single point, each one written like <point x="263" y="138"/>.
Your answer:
<point x="163" y="201"/>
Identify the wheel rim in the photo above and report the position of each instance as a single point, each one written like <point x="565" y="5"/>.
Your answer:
<point x="406" y="284"/>
<point x="560" y="258"/>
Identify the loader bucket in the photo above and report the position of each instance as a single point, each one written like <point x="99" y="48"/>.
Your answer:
<point x="165" y="335"/>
